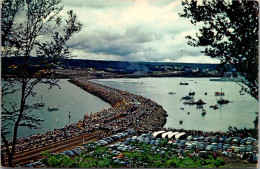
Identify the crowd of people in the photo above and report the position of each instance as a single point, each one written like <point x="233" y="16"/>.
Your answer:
<point x="127" y="111"/>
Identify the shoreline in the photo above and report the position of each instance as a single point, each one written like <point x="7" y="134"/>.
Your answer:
<point x="117" y="98"/>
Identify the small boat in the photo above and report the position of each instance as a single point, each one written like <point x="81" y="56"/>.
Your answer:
<point x="191" y="93"/>
<point x="219" y="93"/>
<point x="185" y="83"/>
<point x="222" y="101"/>
<point x="203" y="112"/>
<point x="180" y="121"/>
<point x="187" y="98"/>
<point x="200" y="102"/>
<point x="214" y="106"/>
<point x="171" y="93"/>
<point x="39" y="104"/>
<point x="189" y="102"/>
<point x="199" y="107"/>
<point x="51" y="108"/>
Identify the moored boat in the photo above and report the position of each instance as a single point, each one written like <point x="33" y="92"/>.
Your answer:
<point x="52" y="108"/>
<point x="185" y="83"/>
<point x="200" y="102"/>
<point x="222" y="101"/>
<point x="187" y="98"/>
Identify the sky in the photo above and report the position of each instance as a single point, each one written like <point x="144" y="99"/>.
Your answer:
<point x="133" y="30"/>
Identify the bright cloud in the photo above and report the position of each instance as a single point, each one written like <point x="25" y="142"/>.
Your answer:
<point x="133" y="30"/>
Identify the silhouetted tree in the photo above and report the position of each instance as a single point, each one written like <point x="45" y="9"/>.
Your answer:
<point x="31" y="28"/>
<point x="228" y="31"/>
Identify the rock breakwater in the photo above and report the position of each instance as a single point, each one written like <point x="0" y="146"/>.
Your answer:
<point x="128" y="110"/>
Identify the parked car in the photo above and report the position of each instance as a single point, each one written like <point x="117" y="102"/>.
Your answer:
<point x="189" y="147"/>
<point x="189" y="138"/>
<point x="209" y="147"/>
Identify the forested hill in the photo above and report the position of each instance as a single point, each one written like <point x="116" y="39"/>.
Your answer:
<point x="117" y="66"/>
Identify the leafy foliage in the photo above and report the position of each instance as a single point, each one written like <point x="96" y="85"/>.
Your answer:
<point x="31" y="28"/>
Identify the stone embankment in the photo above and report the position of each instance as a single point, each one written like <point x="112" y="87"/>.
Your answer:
<point x="128" y="110"/>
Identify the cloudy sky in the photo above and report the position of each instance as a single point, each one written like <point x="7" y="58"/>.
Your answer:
<point x="133" y="30"/>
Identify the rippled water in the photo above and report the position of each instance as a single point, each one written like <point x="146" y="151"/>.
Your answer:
<point x="240" y="113"/>
<point x="68" y="98"/>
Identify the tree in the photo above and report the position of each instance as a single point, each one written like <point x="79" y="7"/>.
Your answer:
<point x="229" y="32"/>
<point x="31" y="28"/>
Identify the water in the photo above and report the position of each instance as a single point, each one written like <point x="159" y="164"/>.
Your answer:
<point x="68" y="98"/>
<point x="240" y="113"/>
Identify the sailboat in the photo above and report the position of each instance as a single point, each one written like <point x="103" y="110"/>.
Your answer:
<point x="39" y="104"/>
<point x="222" y="101"/>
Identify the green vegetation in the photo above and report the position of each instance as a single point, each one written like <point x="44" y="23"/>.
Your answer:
<point x="143" y="156"/>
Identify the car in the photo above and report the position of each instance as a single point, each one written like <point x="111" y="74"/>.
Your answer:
<point x="146" y="141"/>
<point x="243" y="141"/>
<point x="124" y="148"/>
<point x="201" y="146"/>
<point x="76" y="151"/>
<point x="221" y="139"/>
<point x="242" y="150"/>
<point x="181" y="146"/>
<point x="228" y="140"/>
<point x="201" y="138"/>
<point x="69" y="153"/>
<point x="249" y="142"/>
<point x="209" y="147"/>
<point x="27" y="165"/>
<point x="119" y="148"/>
<point x="38" y="164"/>
<point x="115" y="152"/>
<point x="235" y="141"/>
<point x="214" y="139"/>
<point x="152" y="142"/>
<point x="189" y="138"/>
<point x="195" y="143"/>
<point x="195" y="138"/>
<point x="206" y="139"/>
<point x="176" y="141"/>
<point x="128" y="140"/>
<point x="189" y="147"/>
<point x="249" y="148"/>
<point x="182" y="141"/>
<point x="215" y="148"/>
<point x="157" y="142"/>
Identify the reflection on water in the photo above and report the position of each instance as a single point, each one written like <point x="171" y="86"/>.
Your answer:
<point x="239" y="113"/>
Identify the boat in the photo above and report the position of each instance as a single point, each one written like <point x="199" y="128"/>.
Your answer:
<point x="187" y="98"/>
<point x="185" y="83"/>
<point x="189" y="102"/>
<point x="39" y="104"/>
<point x="191" y="93"/>
<point x="219" y="94"/>
<point x="222" y="101"/>
<point x="172" y="93"/>
<point x="203" y="112"/>
<point x="214" y="106"/>
<point x="199" y="107"/>
<point x="51" y="108"/>
<point x="200" y="102"/>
